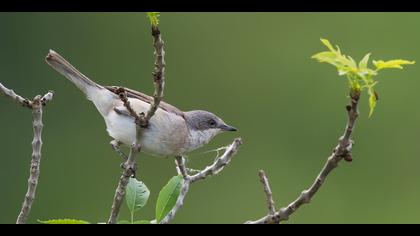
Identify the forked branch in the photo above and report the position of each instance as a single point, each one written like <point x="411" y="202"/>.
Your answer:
<point x="341" y="151"/>
<point x="36" y="106"/>
<point x="141" y="120"/>
<point x="213" y="169"/>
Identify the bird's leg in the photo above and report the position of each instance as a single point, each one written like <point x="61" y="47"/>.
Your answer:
<point x="116" y="146"/>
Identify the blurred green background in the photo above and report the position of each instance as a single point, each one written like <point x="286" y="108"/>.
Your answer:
<point x="252" y="69"/>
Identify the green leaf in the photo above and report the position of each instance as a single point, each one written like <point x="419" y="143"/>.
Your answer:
<point x="136" y="195"/>
<point x="364" y="62"/>
<point x="63" y="221"/>
<point x="328" y="44"/>
<point x="142" y="222"/>
<point x="360" y="76"/>
<point x="124" y="222"/>
<point x="391" y="64"/>
<point x="154" y="18"/>
<point x="343" y="63"/>
<point x="168" y="197"/>
<point x="372" y="101"/>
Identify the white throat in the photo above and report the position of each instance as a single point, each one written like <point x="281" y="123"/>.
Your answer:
<point x="198" y="138"/>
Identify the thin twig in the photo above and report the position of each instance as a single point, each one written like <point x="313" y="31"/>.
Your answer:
<point x="36" y="106"/>
<point x="123" y="97"/>
<point x="129" y="171"/>
<point x="220" y="162"/>
<point x="268" y="193"/>
<point x="158" y="72"/>
<point x="141" y="121"/>
<point x="20" y="100"/>
<point x="214" y="169"/>
<point x="341" y="151"/>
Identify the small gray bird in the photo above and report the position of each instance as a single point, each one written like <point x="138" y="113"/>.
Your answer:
<point x="171" y="132"/>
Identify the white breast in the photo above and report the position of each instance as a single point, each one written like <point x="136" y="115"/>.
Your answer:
<point x="166" y="135"/>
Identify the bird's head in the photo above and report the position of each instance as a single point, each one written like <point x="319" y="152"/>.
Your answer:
<point x="204" y="125"/>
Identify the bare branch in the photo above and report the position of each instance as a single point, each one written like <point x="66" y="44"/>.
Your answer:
<point x="158" y="72"/>
<point x="20" y="100"/>
<point x="36" y="105"/>
<point x="129" y="170"/>
<point x="123" y="97"/>
<point x="214" y="169"/>
<point x="341" y="151"/>
<point x="268" y="193"/>
<point x="220" y="162"/>
<point x="141" y="121"/>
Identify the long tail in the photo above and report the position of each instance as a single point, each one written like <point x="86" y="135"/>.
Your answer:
<point x="99" y="95"/>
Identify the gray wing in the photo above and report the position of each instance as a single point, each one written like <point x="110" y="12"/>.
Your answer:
<point x="146" y="98"/>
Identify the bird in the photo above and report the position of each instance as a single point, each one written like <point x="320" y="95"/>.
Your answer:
<point x="170" y="131"/>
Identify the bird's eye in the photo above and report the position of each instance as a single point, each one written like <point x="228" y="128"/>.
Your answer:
<point x="212" y="123"/>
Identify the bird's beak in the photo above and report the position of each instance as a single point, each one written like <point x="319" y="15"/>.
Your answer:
<point x="228" y="128"/>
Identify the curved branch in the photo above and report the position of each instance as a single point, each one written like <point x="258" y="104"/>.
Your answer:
<point x="213" y="169"/>
<point x="341" y="151"/>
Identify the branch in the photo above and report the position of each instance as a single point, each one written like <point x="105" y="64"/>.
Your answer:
<point x="158" y="72"/>
<point x="36" y="105"/>
<point x="141" y="121"/>
<point x="129" y="170"/>
<point x="220" y="162"/>
<point x="268" y="193"/>
<point x="20" y="100"/>
<point x="214" y="169"/>
<point x="341" y="151"/>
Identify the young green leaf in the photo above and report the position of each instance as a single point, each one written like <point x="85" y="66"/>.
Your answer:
<point x="63" y="221"/>
<point x="328" y="44"/>
<point x="136" y="195"/>
<point x="391" y="64"/>
<point x="372" y="101"/>
<point x="168" y="197"/>
<point x="364" y="62"/>
<point x="359" y="76"/>
<point x="154" y="18"/>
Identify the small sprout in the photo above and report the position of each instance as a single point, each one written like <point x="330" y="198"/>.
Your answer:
<point x="359" y="76"/>
<point x="154" y="18"/>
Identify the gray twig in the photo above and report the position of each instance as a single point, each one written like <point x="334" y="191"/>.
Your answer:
<point x="142" y="121"/>
<point x="213" y="169"/>
<point x="36" y="106"/>
<point x="268" y="193"/>
<point x="129" y="170"/>
<point x="341" y="151"/>
<point x="158" y="72"/>
<point x="20" y="100"/>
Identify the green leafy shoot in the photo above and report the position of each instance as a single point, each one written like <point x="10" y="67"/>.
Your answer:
<point x="168" y="196"/>
<point x="359" y="75"/>
<point x="154" y="18"/>
<point x="63" y="221"/>
<point x="136" y="196"/>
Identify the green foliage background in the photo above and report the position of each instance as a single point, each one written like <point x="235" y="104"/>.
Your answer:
<point x="252" y="69"/>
